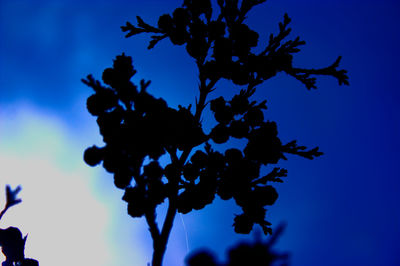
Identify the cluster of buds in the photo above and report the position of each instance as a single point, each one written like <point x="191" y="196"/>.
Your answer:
<point x="138" y="128"/>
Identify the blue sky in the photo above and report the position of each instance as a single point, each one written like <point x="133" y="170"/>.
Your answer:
<point x="340" y="209"/>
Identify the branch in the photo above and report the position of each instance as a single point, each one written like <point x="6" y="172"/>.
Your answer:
<point x="275" y="41"/>
<point x="141" y="27"/>
<point x="153" y="227"/>
<point x="282" y="53"/>
<point x="273" y="176"/>
<point x="303" y="75"/>
<point x="204" y="91"/>
<point x="160" y="244"/>
<point x="293" y="148"/>
<point x="93" y="83"/>
<point x="169" y="219"/>
<point x="11" y="198"/>
<point x="155" y="39"/>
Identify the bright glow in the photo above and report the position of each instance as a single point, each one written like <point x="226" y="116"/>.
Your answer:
<point x="65" y="222"/>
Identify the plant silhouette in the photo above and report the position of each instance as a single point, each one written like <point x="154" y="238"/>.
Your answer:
<point x="138" y="128"/>
<point x="11" y="241"/>
<point x="257" y="253"/>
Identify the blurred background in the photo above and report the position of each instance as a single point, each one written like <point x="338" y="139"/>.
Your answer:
<point x="340" y="209"/>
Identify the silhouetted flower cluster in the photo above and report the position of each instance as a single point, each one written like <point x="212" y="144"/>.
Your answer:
<point x="223" y="47"/>
<point x="138" y="128"/>
<point x="12" y="242"/>
<point x="258" y="253"/>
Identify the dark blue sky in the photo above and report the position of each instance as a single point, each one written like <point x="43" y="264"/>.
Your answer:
<point x="341" y="209"/>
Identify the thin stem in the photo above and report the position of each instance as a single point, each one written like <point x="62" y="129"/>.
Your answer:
<point x="3" y="212"/>
<point x="160" y="245"/>
<point x="153" y="228"/>
<point x="160" y="240"/>
<point x="204" y="91"/>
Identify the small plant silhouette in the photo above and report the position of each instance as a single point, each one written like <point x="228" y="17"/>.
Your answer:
<point x="258" y="253"/>
<point x="11" y="241"/>
<point x="138" y="129"/>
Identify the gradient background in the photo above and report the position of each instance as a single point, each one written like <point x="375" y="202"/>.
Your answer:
<point x="340" y="209"/>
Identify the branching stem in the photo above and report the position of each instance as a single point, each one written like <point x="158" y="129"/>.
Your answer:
<point x="160" y="240"/>
<point x="160" y="244"/>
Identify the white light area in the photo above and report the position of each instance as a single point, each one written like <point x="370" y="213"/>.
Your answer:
<point x="72" y="213"/>
<point x="65" y="223"/>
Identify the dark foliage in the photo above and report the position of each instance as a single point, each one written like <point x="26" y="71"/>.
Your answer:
<point x="11" y="241"/>
<point x="257" y="253"/>
<point x="138" y="128"/>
